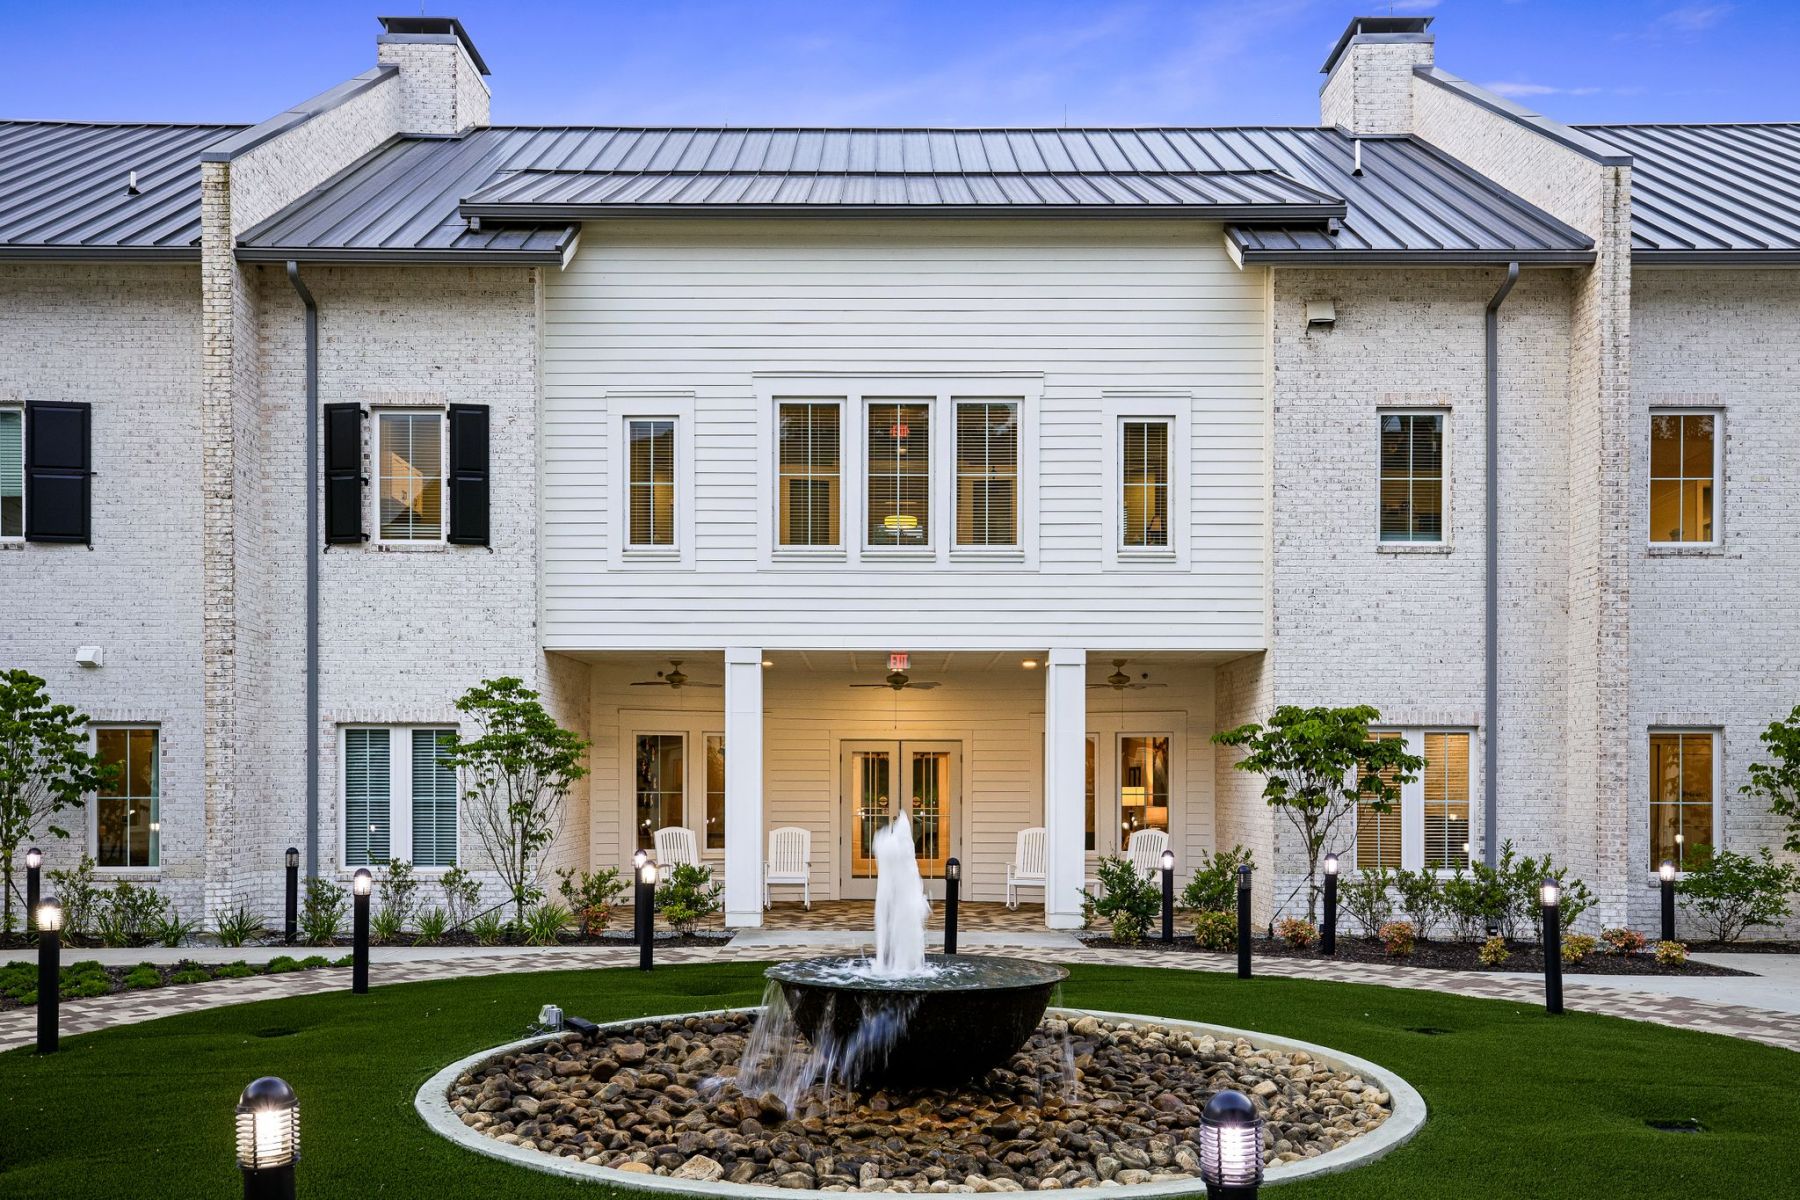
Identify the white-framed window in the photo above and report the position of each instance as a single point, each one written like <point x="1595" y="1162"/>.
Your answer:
<point x="410" y="465"/>
<point x="650" y="486"/>
<point x="809" y="475"/>
<point x="1687" y="449"/>
<point x="987" y="473"/>
<point x="12" y="474"/>
<point x="1684" y="791"/>
<point x="650" y="482"/>
<point x="1146" y="452"/>
<point x="127" y="811"/>
<point x="1144" y="478"/>
<point x="1412" y="493"/>
<point x="399" y="798"/>
<point x="897" y="474"/>
<point x="1432" y="825"/>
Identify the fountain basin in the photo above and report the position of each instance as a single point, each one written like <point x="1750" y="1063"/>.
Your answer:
<point x="960" y="1018"/>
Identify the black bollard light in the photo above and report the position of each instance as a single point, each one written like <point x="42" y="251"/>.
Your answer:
<point x="291" y="929"/>
<point x="645" y="903"/>
<point x="1666" y="875"/>
<point x="268" y="1139"/>
<point x="637" y="896"/>
<point x="361" y="884"/>
<point x="1328" y="939"/>
<point x="1551" y="895"/>
<point x="952" y="888"/>
<point x="49" y="916"/>
<point x="1243" y="915"/>
<point x="1231" y="1162"/>
<point x="34" y="862"/>
<point x="1168" y="890"/>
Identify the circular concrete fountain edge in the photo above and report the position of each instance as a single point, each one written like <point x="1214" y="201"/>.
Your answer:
<point x="433" y="1105"/>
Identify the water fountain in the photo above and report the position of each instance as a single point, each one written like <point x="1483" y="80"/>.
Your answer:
<point x="903" y="1017"/>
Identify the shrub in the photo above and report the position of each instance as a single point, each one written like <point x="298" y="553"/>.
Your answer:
<point x="85" y="979"/>
<point x="1420" y="898"/>
<point x="1215" y="930"/>
<point x="172" y="931"/>
<point x="591" y="895"/>
<point x="1577" y="946"/>
<point x="544" y="923"/>
<point x="1732" y="892"/>
<point x="347" y="960"/>
<point x="129" y="915"/>
<point x="687" y="897"/>
<point x="431" y="926"/>
<point x="1671" y="954"/>
<point x="1398" y="938"/>
<point x="236" y="970"/>
<point x="384" y="926"/>
<point x="396" y="888"/>
<point x="1297" y="932"/>
<point x="322" y="911"/>
<point x="1468" y="906"/>
<point x="1623" y="941"/>
<point x="315" y="960"/>
<point x="1493" y="952"/>
<point x="462" y="894"/>
<point x="281" y="964"/>
<point x="235" y="926"/>
<point x="488" y="929"/>
<point x="1127" y="900"/>
<point x="81" y="897"/>
<point x="144" y="975"/>
<point x="1366" y="898"/>
<point x="1214" y="885"/>
<point x="191" y="974"/>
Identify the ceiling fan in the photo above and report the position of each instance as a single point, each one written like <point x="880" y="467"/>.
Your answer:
<point x="898" y="680"/>
<point x="1119" y="681"/>
<point x="672" y="678"/>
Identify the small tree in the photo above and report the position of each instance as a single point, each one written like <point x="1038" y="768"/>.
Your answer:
<point x="45" y="768"/>
<point x="1779" y="782"/>
<point x="1731" y="891"/>
<point x="1317" y="764"/>
<point x="514" y="775"/>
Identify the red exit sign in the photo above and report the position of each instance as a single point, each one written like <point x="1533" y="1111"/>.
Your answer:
<point x="899" y="662"/>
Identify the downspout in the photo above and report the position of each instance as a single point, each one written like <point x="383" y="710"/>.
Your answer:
<point x="312" y="568"/>
<point x="1490" y="817"/>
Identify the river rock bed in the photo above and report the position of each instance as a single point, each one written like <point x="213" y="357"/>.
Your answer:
<point x="1085" y="1103"/>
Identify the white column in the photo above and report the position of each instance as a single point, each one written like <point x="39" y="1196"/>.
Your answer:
<point x="1065" y="786"/>
<point x="744" y="835"/>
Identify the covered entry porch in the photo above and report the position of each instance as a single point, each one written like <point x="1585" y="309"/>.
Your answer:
<point x="974" y="746"/>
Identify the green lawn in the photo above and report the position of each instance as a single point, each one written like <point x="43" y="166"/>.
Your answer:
<point x="1522" y="1105"/>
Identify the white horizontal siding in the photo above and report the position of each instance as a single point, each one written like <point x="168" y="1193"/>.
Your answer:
<point x="702" y="309"/>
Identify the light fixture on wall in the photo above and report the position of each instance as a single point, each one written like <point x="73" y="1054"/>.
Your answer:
<point x="1029" y="664"/>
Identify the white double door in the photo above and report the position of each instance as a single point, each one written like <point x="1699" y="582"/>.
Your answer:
<point x="881" y="780"/>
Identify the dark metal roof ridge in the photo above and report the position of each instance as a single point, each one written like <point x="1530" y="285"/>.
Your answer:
<point x="1233" y="213"/>
<point x="1687" y="125"/>
<point x="1416" y="258"/>
<point x="249" y="139"/>
<point x="5" y="121"/>
<point x="1566" y="136"/>
<point x="1715" y="258"/>
<point x="1056" y="129"/>
<point x="1377" y="29"/>
<point x="422" y="256"/>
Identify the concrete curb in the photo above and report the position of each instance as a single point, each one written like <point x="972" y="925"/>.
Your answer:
<point x="433" y="1105"/>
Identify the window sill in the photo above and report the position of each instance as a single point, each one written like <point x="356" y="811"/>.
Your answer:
<point x="986" y="554"/>
<point x="1685" y="550"/>
<point x="134" y="874"/>
<point x="410" y="547"/>
<point x="1413" y="547"/>
<point x="12" y="544"/>
<point x="821" y="554"/>
<point x="895" y="554"/>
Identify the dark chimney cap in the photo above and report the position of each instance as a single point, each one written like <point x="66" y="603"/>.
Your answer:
<point x="1383" y="29"/>
<point x="435" y="27"/>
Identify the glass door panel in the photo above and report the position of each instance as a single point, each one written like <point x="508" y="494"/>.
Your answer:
<point x="929" y="807"/>
<point x="875" y="792"/>
<point x="871" y="806"/>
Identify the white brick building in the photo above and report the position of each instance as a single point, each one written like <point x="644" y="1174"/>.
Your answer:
<point x="779" y="404"/>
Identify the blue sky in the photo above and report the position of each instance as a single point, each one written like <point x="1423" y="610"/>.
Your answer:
<point x="1012" y="62"/>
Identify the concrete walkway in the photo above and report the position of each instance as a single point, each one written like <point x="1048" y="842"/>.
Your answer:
<point x="1764" y="1009"/>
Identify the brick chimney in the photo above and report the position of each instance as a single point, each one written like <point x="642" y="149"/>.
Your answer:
<point x="442" y="84"/>
<point x="1368" y="78"/>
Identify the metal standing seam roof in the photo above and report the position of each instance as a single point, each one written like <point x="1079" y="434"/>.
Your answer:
<point x="1711" y="193"/>
<point x="63" y="189"/>
<point x="416" y="196"/>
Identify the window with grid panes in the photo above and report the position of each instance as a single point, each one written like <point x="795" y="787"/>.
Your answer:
<point x="808" y="475"/>
<point x="1412" y="477"/>
<point x="1681" y="796"/>
<point x="650" y="482"/>
<point x="899" y="474"/>
<point x="409" y="471"/>
<point x="1378" y="837"/>
<point x="987" y="473"/>
<point x="1683" y="470"/>
<point x="1144" y="483"/>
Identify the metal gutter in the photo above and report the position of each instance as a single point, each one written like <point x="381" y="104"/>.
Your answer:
<point x="249" y="139"/>
<point x="1418" y="258"/>
<point x="1715" y="258"/>
<point x="1563" y="135"/>
<point x="313" y="417"/>
<point x="552" y="256"/>
<point x="118" y="254"/>
<point x="1286" y="214"/>
<point x="1490" y="765"/>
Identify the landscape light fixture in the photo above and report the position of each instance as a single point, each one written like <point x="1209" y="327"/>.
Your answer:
<point x="644" y="910"/>
<point x="1231" y="1163"/>
<point x="1666" y="881"/>
<point x="361" y="884"/>
<point x="268" y="1139"/>
<point x="291" y="923"/>
<point x="1550" y="893"/>
<point x="1328" y="937"/>
<point x="1243" y="921"/>
<point x="34" y="861"/>
<point x="1168" y="895"/>
<point x="49" y="917"/>
<point x="952" y="894"/>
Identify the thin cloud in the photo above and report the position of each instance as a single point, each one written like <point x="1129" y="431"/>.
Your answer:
<point x="1691" y="18"/>
<point x="1414" y="5"/>
<point x="1518" y="90"/>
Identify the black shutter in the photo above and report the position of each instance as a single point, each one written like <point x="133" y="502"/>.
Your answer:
<point x="57" y="472"/>
<point x="469" y="474"/>
<point x="343" y="473"/>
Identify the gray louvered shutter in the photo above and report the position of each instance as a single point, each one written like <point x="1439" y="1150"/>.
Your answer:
<point x="469" y="474"/>
<point x="58" y="472"/>
<point x="343" y="474"/>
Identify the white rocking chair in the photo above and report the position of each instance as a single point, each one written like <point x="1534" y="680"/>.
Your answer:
<point x="675" y="847"/>
<point x="1027" y="866"/>
<point x="1146" y="850"/>
<point x="789" y="863"/>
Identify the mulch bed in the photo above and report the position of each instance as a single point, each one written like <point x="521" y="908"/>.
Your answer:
<point x="1442" y="956"/>
<point x="85" y="980"/>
